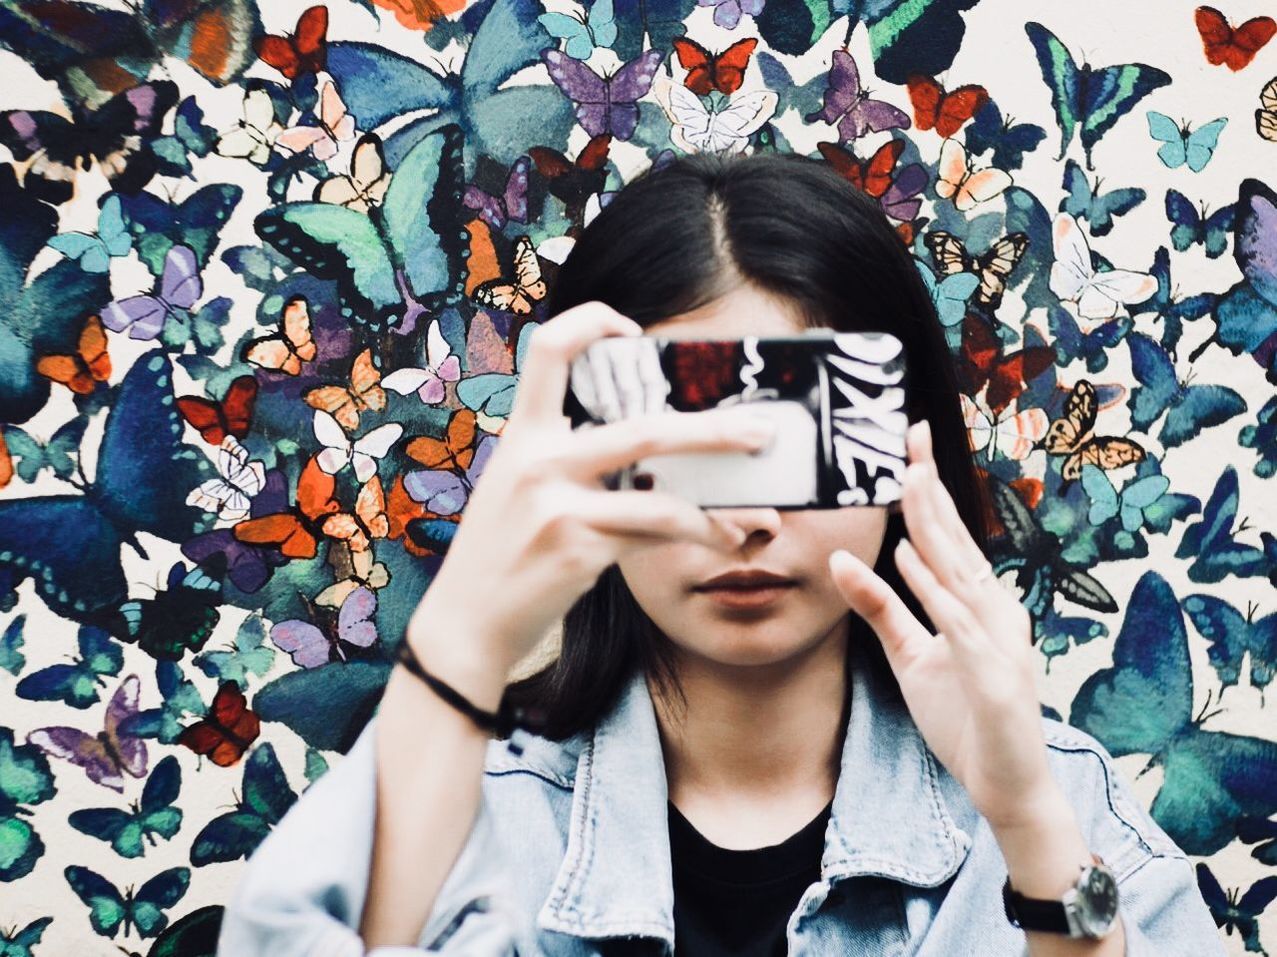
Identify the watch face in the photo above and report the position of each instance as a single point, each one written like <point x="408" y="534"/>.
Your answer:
<point x="1097" y="900"/>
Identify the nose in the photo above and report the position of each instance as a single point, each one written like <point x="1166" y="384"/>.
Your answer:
<point x="757" y="523"/>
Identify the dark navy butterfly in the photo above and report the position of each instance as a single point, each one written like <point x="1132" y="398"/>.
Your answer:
<point x="267" y="795"/>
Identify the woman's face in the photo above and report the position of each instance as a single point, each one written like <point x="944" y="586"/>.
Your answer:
<point x="794" y="544"/>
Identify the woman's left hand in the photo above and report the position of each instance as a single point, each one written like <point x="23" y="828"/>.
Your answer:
<point x="970" y="688"/>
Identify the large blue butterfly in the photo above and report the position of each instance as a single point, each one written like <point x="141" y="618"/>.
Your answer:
<point x="1247" y="313"/>
<point x="1232" y="635"/>
<point x="1189" y="408"/>
<point x="1211" y="545"/>
<point x="1144" y="705"/>
<point x="70" y="544"/>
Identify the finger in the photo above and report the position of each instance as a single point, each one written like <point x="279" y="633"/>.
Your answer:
<point x="930" y="539"/>
<point x="943" y="504"/>
<point x="951" y="617"/>
<point x="650" y="517"/>
<point x="552" y="346"/>
<point x="903" y="637"/>
<point x="622" y="366"/>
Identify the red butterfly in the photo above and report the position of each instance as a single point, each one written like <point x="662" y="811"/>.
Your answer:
<point x="574" y="181"/>
<point x="713" y="71"/>
<point x="305" y="51"/>
<point x="216" y="420"/>
<point x="946" y="111"/>
<point x="228" y="729"/>
<point x="873" y="175"/>
<point x="1007" y="374"/>
<point x="1234" y="46"/>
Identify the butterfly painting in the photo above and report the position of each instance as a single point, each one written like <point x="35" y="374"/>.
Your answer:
<point x="178" y="290"/>
<point x="77" y="684"/>
<point x="89" y="365"/>
<point x="224" y="734"/>
<point x="107" y="756"/>
<point x="511" y="204"/>
<point x="1247" y="312"/>
<point x="583" y="33"/>
<point x="992" y="268"/>
<point x="945" y="111"/>
<point x="520" y="293"/>
<point x="1232" y="46"/>
<point x="1233" y="636"/>
<point x="331" y="126"/>
<point x="129" y="832"/>
<point x="178" y="618"/>
<point x="1073" y="436"/>
<point x="850" y="108"/>
<point x="296" y="531"/>
<point x="1212" y="542"/>
<point x="141" y="911"/>
<point x="1084" y="200"/>
<point x="723" y="71"/>
<point x="1191" y="225"/>
<point x="604" y="104"/>
<point x="345" y="402"/>
<point x="965" y="186"/>
<point x="1074" y="278"/>
<point x="430" y="383"/>
<point x="286" y="350"/>
<point x="1011" y="433"/>
<point x="897" y="190"/>
<point x="444" y="491"/>
<point x="726" y="128"/>
<point x="574" y="181"/>
<point x="94" y="251"/>
<point x="1129" y="505"/>
<point x="1182" y="145"/>
<point x="266" y="797"/>
<point x="301" y="52"/>
<point x="1266" y="115"/>
<point x="253" y="136"/>
<point x="365" y="185"/>
<point x="1007" y="139"/>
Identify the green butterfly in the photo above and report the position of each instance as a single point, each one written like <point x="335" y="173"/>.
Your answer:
<point x="583" y="33"/>
<point x="25" y="780"/>
<point x="128" y="831"/>
<point x="492" y="393"/>
<point x="249" y="656"/>
<point x="267" y="796"/>
<point x="32" y="456"/>
<point x="77" y="683"/>
<point x="12" y="659"/>
<point x="18" y="943"/>
<point x="109" y="909"/>
<point x="409" y="251"/>
<point x="94" y="251"/>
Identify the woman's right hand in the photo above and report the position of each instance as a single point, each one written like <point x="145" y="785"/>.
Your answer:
<point x="540" y="525"/>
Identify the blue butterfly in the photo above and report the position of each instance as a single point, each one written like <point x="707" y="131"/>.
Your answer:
<point x="12" y="659"/>
<point x="180" y="617"/>
<point x="1181" y="145"/>
<point x="584" y="33"/>
<point x="19" y="943"/>
<point x="1070" y="342"/>
<point x="1190" y="225"/>
<point x="950" y="296"/>
<point x="1247" y="313"/>
<point x="1008" y="140"/>
<point x="197" y="222"/>
<point x="1189" y="408"/>
<point x="1210" y="542"/>
<point x="267" y="795"/>
<point x="1130" y="504"/>
<point x="1262" y="437"/>
<point x="1263" y="833"/>
<point x="1230" y="913"/>
<point x="70" y="544"/>
<point x="76" y="684"/>
<point x="1054" y="634"/>
<point x="1173" y="312"/>
<point x="94" y="251"/>
<point x="1232" y="635"/>
<point x="1144" y="705"/>
<point x="33" y="457"/>
<point x="129" y="831"/>
<point x="251" y="655"/>
<point x="181" y="700"/>
<point x="1094" y="98"/>
<point x="109" y="909"/>
<point x="1085" y="202"/>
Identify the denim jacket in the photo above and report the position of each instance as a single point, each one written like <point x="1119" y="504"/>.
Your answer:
<point x="569" y="853"/>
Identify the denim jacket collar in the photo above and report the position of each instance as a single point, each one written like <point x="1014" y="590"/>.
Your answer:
<point x="893" y="815"/>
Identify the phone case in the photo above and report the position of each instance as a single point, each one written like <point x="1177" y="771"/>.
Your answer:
<point x="838" y="400"/>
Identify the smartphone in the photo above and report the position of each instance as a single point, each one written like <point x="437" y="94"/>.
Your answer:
<point x="838" y="400"/>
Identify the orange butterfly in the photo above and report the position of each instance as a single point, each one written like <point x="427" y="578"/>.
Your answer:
<point x="346" y="402"/>
<point x="305" y="51"/>
<point x="353" y="570"/>
<point x="455" y="451"/>
<point x="227" y="730"/>
<point x="873" y="175"/>
<point x="945" y="111"/>
<point x="1073" y="435"/>
<point x="1232" y="46"/>
<point x="231" y="416"/>
<point x="707" y="71"/>
<point x="420" y="14"/>
<point x="286" y="350"/>
<point x="90" y="364"/>
<point x="516" y="295"/>
<point x="368" y="521"/>
<point x="296" y="532"/>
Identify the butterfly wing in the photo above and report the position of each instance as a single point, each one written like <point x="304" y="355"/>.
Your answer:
<point x="996" y="266"/>
<point x="582" y="86"/>
<point x="1060" y="74"/>
<point x="304" y="643"/>
<point x="1201" y="142"/>
<point x="1266" y="115"/>
<point x="1173" y="152"/>
<point x="355" y="622"/>
<point x="157" y="895"/>
<point x="107" y="910"/>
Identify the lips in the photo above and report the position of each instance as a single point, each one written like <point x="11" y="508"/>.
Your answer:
<point x="745" y="580"/>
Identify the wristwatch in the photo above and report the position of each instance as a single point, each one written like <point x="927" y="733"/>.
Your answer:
<point x="1087" y="909"/>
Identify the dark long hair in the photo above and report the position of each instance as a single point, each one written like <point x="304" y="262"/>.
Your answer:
<point x="677" y="238"/>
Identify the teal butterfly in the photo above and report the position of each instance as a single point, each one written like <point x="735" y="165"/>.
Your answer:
<point x="250" y="655"/>
<point x="1211" y="543"/>
<point x="950" y="296"/>
<point x="1144" y="705"/>
<point x="18" y="943"/>
<point x="25" y="780"/>
<point x="1190" y="225"/>
<point x="267" y="796"/>
<point x="408" y="251"/>
<point x="584" y="33"/>
<point x="492" y="393"/>
<point x="76" y="684"/>
<point x="1085" y="202"/>
<point x="94" y="251"/>
<point x="1094" y="98"/>
<point x="109" y="909"/>
<point x="181" y="700"/>
<point x="190" y="136"/>
<point x="158" y="225"/>
<point x="12" y="659"/>
<point x="1130" y="504"/>
<point x="33" y="456"/>
<point x="1232" y="636"/>
<point x="1183" y="146"/>
<point x="129" y="831"/>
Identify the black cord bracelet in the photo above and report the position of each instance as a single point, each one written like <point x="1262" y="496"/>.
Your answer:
<point x="502" y="722"/>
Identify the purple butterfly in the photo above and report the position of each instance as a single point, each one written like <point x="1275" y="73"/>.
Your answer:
<point x="511" y="204"/>
<point x="850" y="108"/>
<point x="310" y="647"/>
<point x="900" y="201"/>
<point x="179" y="288"/>
<point x="727" y="13"/>
<point x="112" y="751"/>
<point x="604" y="104"/>
<point x="444" y="491"/>
<point x="248" y="566"/>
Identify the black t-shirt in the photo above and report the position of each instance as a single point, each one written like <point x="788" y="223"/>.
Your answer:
<point x="731" y="902"/>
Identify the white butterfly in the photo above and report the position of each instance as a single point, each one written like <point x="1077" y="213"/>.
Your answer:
<point x="1012" y="433"/>
<point x="1074" y="279"/>
<point x="441" y="367"/>
<point x="697" y="130"/>
<point x="956" y="180"/>
<point x="367" y="182"/>
<point x="230" y="496"/>
<point x="363" y="452"/>
<point x="335" y="124"/>
<point x="254" y="138"/>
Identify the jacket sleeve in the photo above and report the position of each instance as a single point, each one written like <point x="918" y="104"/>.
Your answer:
<point x="302" y="892"/>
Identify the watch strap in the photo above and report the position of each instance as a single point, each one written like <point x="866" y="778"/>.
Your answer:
<point x="1031" y="913"/>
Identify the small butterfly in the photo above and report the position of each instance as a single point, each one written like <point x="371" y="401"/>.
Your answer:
<point x="1085" y="202"/>
<point x="1231" y="913"/>
<point x="1232" y="46"/>
<point x="727" y="13"/>
<point x="582" y="32"/>
<point x="235" y="835"/>
<point x="1008" y="140"/>
<point x="442" y="367"/>
<point x="367" y="522"/>
<point x="333" y="126"/>
<point x="354" y="570"/>
<point x="604" y="104"/>
<point x="1171" y="310"/>
<point x="12" y="659"/>
<point x="345" y="403"/>
<point x="993" y="267"/>
<point x="248" y="566"/>
<point x="225" y="733"/>
<point x="1191" y="225"/>
<point x="1073" y="436"/>
<point x="248" y="656"/>
<point x="1212" y="544"/>
<point x="1232" y="636"/>
<point x="20" y="943"/>
<point x="361" y="453"/>
<point x="178" y="618"/>
<point x="1010" y="433"/>
<point x="489" y="388"/>
<point x="301" y="52"/>
<point x="445" y="491"/>
<point x="128" y="832"/>
<point x="94" y="251"/>
<point x="574" y="181"/>
<point x="230" y="496"/>
<point x="90" y="364"/>
<point x="520" y="294"/>
<point x="985" y="365"/>
<point x="967" y="187"/>
<point x="726" y="128"/>
<point x="296" y="532"/>
<point x="454" y="451"/>
<point x="1190" y="409"/>
<point x="77" y="684"/>
<point x="286" y="350"/>
<point x="177" y="291"/>
<point x="180" y="699"/>
<point x="365" y="185"/>
<point x="723" y="71"/>
<point x="943" y="110"/>
<point x="511" y="204"/>
<point x="232" y="416"/>
<point x="253" y="136"/>
<point x="143" y="911"/>
<point x="849" y="107"/>
<point x="1070" y="342"/>
<point x="896" y="190"/>
<point x="949" y="294"/>
<point x="1130" y="504"/>
<point x="107" y="756"/>
<point x="1074" y="277"/>
<point x="1182" y="145"/>
<point x="1266" y="115"/>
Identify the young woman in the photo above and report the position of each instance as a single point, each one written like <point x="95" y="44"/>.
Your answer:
<point x="849" y="759"/>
